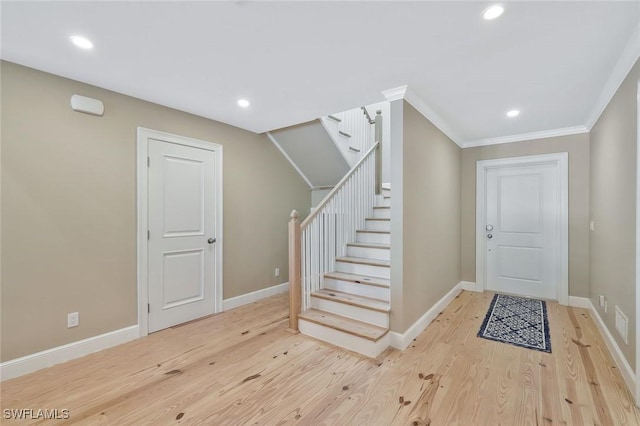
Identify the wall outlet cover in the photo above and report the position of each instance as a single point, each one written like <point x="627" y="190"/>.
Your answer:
<point x="73" y="319"/>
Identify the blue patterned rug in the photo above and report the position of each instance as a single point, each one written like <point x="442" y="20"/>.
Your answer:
<point x="517" y="321"/>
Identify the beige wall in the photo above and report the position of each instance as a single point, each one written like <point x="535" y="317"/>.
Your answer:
<point x="578" y="148"/>
<point x="613" y="198"/>
<point x="431" y="215"/>
<point x="69" y="208"/>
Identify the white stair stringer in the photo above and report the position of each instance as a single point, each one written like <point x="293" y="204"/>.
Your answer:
<point x="351" y="310"/>
<point x="349" y="130"/>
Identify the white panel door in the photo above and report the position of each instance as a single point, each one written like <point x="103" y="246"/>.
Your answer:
<point x="182" y="219"/>
<point x="521" y="230"/>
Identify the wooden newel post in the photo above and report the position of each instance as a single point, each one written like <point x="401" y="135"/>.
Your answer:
<point x="378" y="138"/>
<point x="294" y="272"/>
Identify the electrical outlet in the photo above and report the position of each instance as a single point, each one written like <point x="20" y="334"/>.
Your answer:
<point x="73" y="319"/>
<point x="277" y="272"/>
<point x="601" y="301"/>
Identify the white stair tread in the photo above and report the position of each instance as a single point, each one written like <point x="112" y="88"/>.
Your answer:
<point x="353" y="300"/>
<point x="363" y="261"/>
<point x="370" y="245"/>
<point x="359" y="279"/>
<point x="346" y="325"/>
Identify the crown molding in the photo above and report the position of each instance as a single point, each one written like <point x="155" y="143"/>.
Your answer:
<point x="396" y="93"/>
<point x="565" y="131"/>
<point x="430" y="114"/>
<point x="627" y="59"/>
<point x="404" y="92"/>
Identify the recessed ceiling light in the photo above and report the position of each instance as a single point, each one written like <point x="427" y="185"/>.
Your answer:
<point x="492" y="12"/>
<point x="81" y="42"/>
<point x="243" y="103"/>
<point x="513" y="113"/>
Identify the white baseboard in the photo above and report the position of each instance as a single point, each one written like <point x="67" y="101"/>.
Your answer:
<point x="403" y="340"/>
<point x="254" y="296"/>
<point x="468" y="286"/>
<point x="30" y="363"/>
<point x="579" y="302"/>
<point x="618" y="357"/>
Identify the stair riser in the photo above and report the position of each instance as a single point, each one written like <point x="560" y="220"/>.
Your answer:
<point x="360" y="269"/>
<point x="344" y="340"/>
<point x="377" y="225"/>
<point x="380" y="319"/>
<point x="365" y="237"/>
<point x="382" y="213"/>
<point x="386" y="191"/>
<point x="385" y="202"/>
<point x="368" y="252"/>
<point x="359" y="289"/>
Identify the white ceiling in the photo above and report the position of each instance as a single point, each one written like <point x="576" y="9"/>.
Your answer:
<point x="297" y="61"/>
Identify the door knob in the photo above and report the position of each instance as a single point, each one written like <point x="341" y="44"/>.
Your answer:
<point x="489" y="236"/>
<point x="211" y="240"/>
<point x="489" y="228"/>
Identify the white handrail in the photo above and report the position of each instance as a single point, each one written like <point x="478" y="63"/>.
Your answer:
<point x="336" y="188"/>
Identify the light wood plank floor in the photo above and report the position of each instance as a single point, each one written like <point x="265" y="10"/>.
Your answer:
<point x="241" y="367"/>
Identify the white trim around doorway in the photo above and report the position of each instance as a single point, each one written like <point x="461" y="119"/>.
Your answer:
<point x="142" y="202"/>
<point x="560" y="160"/>
<point x="637" y="372"/>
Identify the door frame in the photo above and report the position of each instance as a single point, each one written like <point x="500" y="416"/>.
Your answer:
<point x="637" y="370"/>
<point x="560" y="161"/>
<point x="142" y="197"/>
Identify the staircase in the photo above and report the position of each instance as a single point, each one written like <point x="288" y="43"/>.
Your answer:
<point x="339" y="259"/>
<point x="325" y="149"/>
<point x="351" y="309"/>
<point x="351" y="132"/>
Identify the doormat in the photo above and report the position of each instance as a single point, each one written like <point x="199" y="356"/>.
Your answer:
<point x="517" y="321"/>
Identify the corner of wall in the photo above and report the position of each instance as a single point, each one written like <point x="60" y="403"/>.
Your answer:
<point x="396" y="125"/>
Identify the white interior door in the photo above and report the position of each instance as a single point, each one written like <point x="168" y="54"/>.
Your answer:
<point x="182" y="240"/>
<point x="521" y="230"/>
